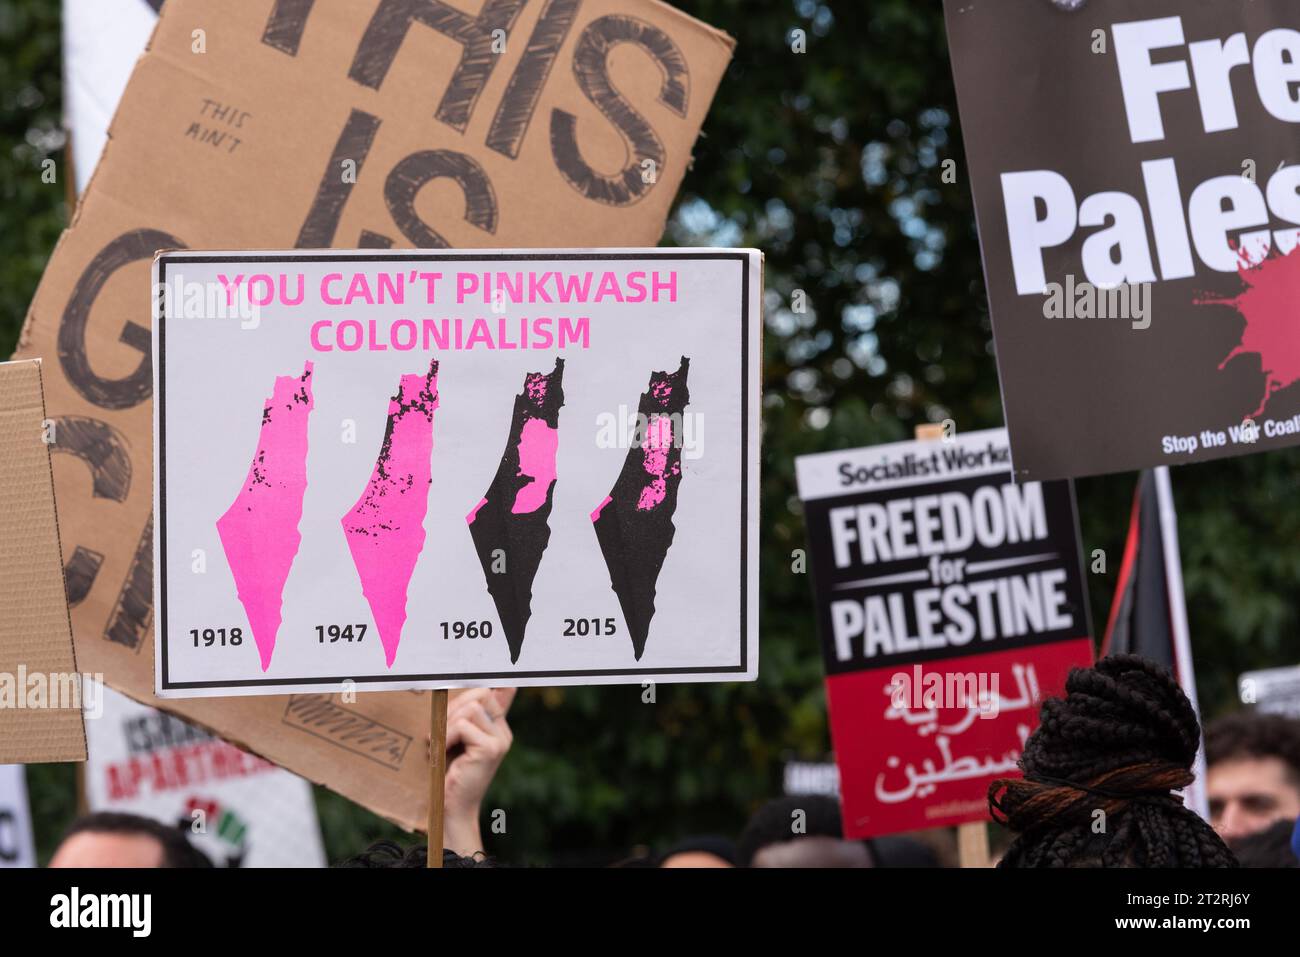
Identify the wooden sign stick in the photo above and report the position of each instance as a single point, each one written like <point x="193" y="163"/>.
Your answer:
<point x="973" y="844"/>
<point x="437" y="773"/>
<point x="973" y="838"/>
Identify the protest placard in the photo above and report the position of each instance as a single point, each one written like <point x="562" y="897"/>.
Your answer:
<point x="278" y="124"/>
<point x="1135" y="181"/>
<point x="17" y="846"/>
<point x="238" y="809"/>
<point x="950" y="602"/>
<point x="414" y="470"/>
<point x="102" y="39"/>
<point x="1272" y="690"/>
<point x="40" y="688"/>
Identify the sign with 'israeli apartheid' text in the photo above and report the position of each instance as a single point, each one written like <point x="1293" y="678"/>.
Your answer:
<point x="238" y="809"/>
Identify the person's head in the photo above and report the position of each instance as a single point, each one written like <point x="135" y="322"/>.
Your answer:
<point x="1270" y="847"/>
<point x="806" y="831"/>
<point x="1099" y="772"/>
<point x="704" y="851"/>
<point x="383" y="854"/>
<point x="799" y="831"/>
<point x="1253" y="772"/>
<point x="125" y="840"/>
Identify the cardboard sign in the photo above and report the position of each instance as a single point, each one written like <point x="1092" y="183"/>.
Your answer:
<point x="950" y="602"/>
<point x="40" y="688"/>
<point x="275" y="124"/>
<point x="238" y="809"/>
<point x="17" y="846"/>
<point x="1135" y="178"/>
<point x="415" y="470"/>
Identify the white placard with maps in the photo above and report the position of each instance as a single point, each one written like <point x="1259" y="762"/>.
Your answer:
<point x="447" y="469"/>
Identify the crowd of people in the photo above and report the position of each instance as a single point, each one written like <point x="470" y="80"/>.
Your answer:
<point x="1101" y="786"/>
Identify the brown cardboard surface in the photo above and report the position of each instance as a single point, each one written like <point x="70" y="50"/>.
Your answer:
<point x="35" y="636"/>
<point x="454" y="139"/>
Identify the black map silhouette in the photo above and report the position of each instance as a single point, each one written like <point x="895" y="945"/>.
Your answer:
<point x="509" y="526"/>
<point x="634" y="525"/>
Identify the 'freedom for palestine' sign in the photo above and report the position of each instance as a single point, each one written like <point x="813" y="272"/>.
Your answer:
<point x="950" y="602"/>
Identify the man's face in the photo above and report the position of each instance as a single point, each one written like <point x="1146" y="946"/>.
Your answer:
<point x="1248" y="794"/>
<point x="100" y="849"/>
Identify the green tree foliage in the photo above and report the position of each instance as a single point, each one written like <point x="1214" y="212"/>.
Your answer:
<point x="32" y="211"/>
<point x="833" y="161"/>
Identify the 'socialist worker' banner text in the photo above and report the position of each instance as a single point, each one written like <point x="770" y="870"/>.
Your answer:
<point x="1136" y="174"/>
<point x="950" y="602"/>
<point x="414" y="470"/>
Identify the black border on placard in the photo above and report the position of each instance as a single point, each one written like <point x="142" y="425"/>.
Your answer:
<point x="160" y="634"/>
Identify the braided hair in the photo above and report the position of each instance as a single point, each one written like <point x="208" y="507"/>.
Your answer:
<point x="1120" y="741"/>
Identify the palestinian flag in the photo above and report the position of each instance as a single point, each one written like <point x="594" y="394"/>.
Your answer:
<point x="1148" y="615"/>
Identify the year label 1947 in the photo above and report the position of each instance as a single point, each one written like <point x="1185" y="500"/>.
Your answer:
<point x="336" y="633"/>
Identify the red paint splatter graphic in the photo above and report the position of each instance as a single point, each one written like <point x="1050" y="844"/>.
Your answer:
<point x="1268" y="305"/>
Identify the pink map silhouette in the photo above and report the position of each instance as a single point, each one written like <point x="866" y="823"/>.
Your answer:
<point x="537" y="448"/>
<point x="658" y="442"/>
<point x="259" y="532"/>
<point x="385" y="529"/>
<point x="1268" y="304"/>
